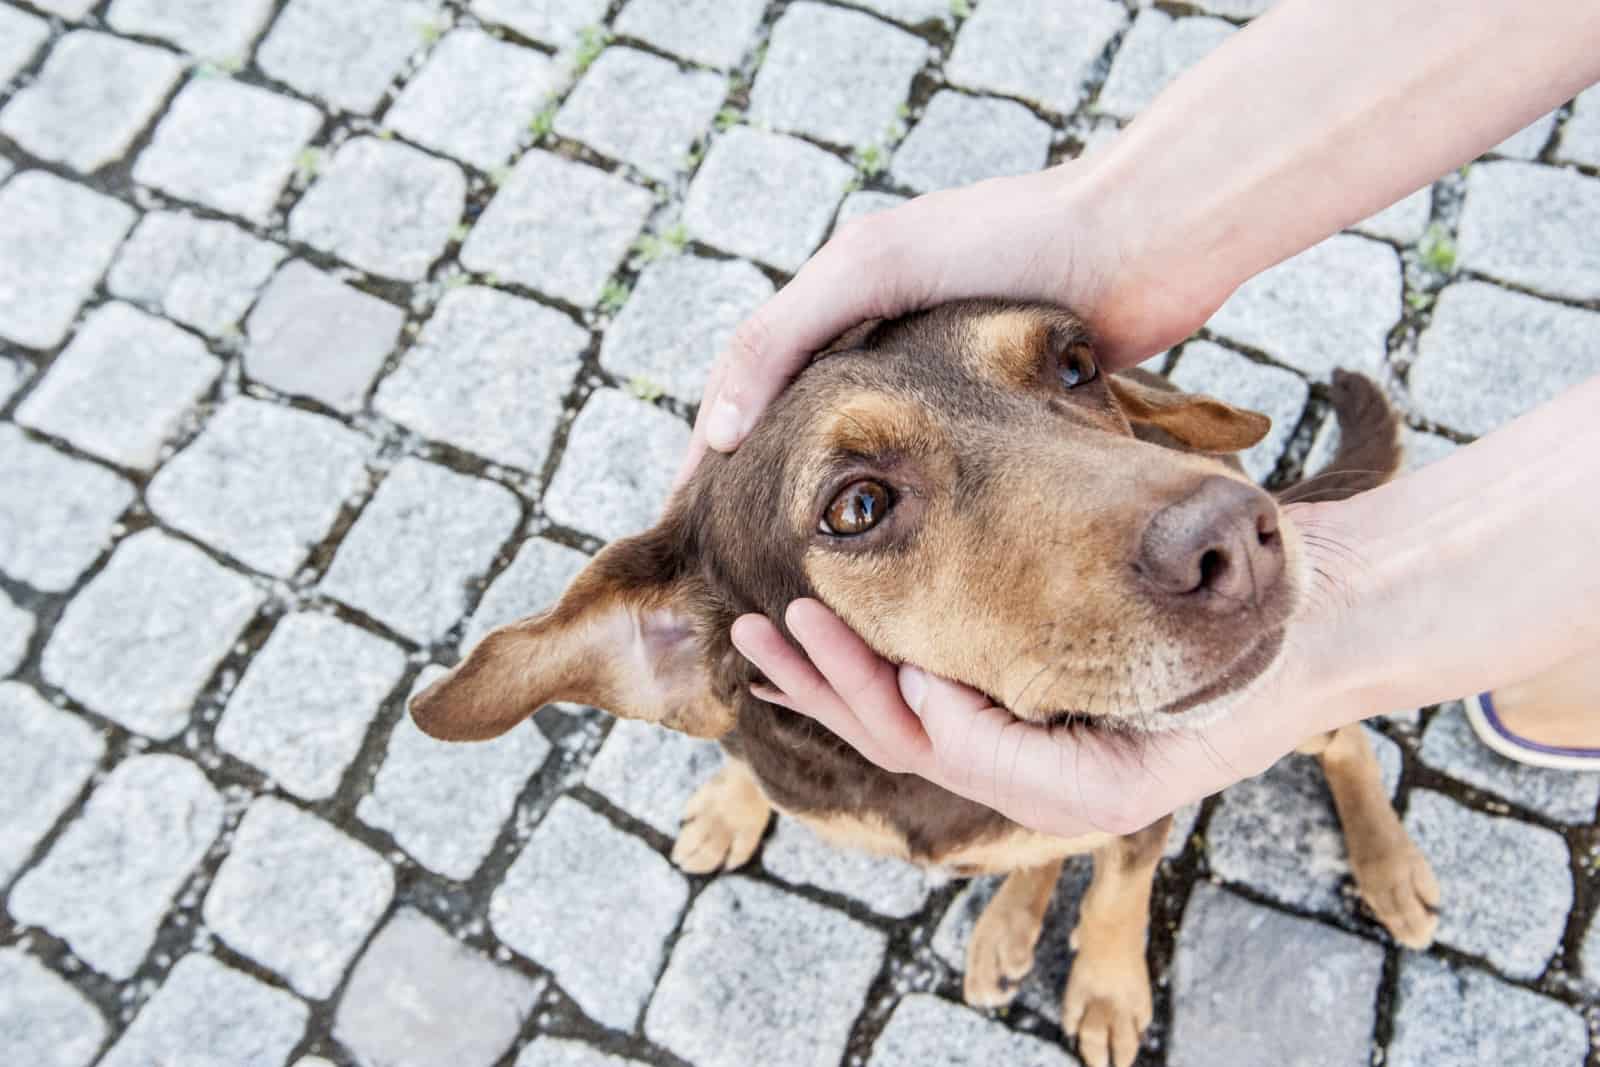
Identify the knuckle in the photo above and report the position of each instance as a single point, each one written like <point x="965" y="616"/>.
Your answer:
<point x="750" y="344"/>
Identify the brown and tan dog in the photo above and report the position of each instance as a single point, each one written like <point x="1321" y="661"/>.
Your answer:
<point x="967" y="491"/>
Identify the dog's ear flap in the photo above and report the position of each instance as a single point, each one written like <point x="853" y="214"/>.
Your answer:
<point x="1194" y="420"/>
<point x="624" y="637"/>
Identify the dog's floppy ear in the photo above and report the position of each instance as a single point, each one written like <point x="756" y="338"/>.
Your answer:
<point x="624" y="637"/>
<point x="1194" y="420"/>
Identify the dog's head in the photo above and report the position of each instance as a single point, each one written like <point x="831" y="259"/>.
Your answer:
<point x="971" y="494"/>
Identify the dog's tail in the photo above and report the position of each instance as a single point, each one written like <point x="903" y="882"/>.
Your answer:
<point x="1369" y="449"/>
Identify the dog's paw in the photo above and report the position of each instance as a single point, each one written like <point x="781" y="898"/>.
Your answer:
<point x="999" y="956"/>
<point x="1107" y="1006"/>
<point x="1399" y="886"/>
<point x="722" y="825"/>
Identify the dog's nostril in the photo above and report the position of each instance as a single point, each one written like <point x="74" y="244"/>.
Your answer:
<point x="1220" y="544"/>
<point x="1212" y="564"/>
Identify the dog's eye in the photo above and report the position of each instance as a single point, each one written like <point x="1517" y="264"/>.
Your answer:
<point x="1076" y="367"/>
<point x="860" y="507"/>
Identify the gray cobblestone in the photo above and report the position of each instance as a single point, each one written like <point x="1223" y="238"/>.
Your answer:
<point x="1332" y="305"/>
<point x="201" y="272"/>
<point x="1514" y="922"/>
<point x="1156" y="50"/>
<point x="1403" y="221"/>
<point x="474" y="98"/>
<point x="228" y="146"/>
<point x="555" y="1052"/>
<point x="532" y="583"/>
<point x="887" y="886"/>
<point x="925" y="1031"/>
<point x="487" y="375"/>
<point x="962" y="139"/>
<point x="1580" y="134"/>
<point x="122" y="386"/>
<point x="1422" y="449"/>
<point x="16" y="630"/>
<point x="263" y="483"/>
<point x="56" y="513"/>
<point x="427" y="532"/>
<point x="1461" y="377"/>
<point x="1279" y="394"/>
<point x="651" y="772"/>
<point x="141" y="639"/>
<point x="1589" y="953"/>
<point x="595" y="906"/>
<point x="1456" y="1017"/>
<point x="21" y="37"/>
<point x="1235" y="9"/>
<point x="90" y="101"/>
<point x="865" y="203"/>
<point x="305" y="702"/>
<point x="56" y="240"/>
<point x="420" y="998"/>
<point x="1529" y="141"/>
<point x="1528" y="224"/>
<point x="44" y="1022"/>
<point x="297" y="896"/>
<point x="765" y="196"/>
<point x="759" y="976"/>
<point x="909" y="12"/>
<point x="1450" y="745"/>
<point x="13" y="372"/>
<point x="207" y="29"/>
<point x="312" y="335"/>
<point x="836" y="75"/>
<point x="618" y="467"/>
<point x="203" y="1004"/>
<point x="1039" y="50"/>
<point x="344" y="52"/>
<point x="384" y="207"/>
<point x="46" y="757"/>
<point x="554" y="22"/>
<point x="105" y="885"/>
<point x="641" y="109"/>
<point x="1254" y="987"/>
<point x="444" y="803"/>
<point x="714" y="32"/>
<point x="681" y="315"/>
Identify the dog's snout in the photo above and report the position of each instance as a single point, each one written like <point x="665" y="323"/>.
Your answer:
<point x="1219" y="545"/>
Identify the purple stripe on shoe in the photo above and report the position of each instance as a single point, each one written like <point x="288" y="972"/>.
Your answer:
<point x="1486" y="701"/>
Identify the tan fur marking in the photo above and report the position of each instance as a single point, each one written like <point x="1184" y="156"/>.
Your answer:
<point x="1008" y="344"/>
<point x="1000" y="950"/>
<point x="723" y="822"/>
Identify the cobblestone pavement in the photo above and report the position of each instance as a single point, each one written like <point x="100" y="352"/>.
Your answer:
<point x="333" y="332"/>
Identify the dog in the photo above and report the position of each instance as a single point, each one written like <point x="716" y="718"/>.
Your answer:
<point x="969" y="491"/>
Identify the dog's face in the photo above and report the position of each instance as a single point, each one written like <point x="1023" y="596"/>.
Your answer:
<point x="971" y="494"/>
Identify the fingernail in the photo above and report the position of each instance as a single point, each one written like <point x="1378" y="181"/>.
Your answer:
<point x="722" y="428"/>
<point x="913" y="687"/>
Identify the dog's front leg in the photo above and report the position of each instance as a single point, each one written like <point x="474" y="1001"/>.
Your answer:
<point x="1000" y="951"/>
<point x="723" y="822"/>
<point x="1107" y="1004"/>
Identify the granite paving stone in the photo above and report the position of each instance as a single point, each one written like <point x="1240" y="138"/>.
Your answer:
<point x="1235" y="9"/>
<point x="227" y="146"/>
<point x="205" y="28"/>
<point x="532" y="583"/>
<point x="16" y="630"/>
<point x="962" y="139"/>
<point x="909" y="12"/>
<point x="238" y="1020"/>
<point x="44" y="1022"/>
<point x="650" y="772"/>
<point x="109" y="879"/>
<point x="46" y="757"/>
<point x="765" y="196"/>
<point x="618" y="467"/>
<point x="345" y="53"/>
<point x="1580" y="134"/>
<point x="147" y="632"/>
<point x="679" y="318"/>
<point x="925" y="1031"/>
<point x="1589" y="953"/>
<point x="1529" y="141"/>
<point x="56" y="513"/>
<point x="593" y="905"/>
<point x="837" y="75"/>
<point x="865" y="202"/>
<point x="474" y="98"/>
<point x="1450" y="745"/>
<point x="716" y="33"/>
<point x="297" y="896"/>
<point x="56" y="240"/>
<point x="553" y="22"/>
<point x="13" y="373"/>
<point x="1447" y="1016"/>
<point x="1252" y="987"/>
<point x="204" y="273"/>
<point x="312" y="335"/>
<point x="1403" y="221"/>
<point x="21" y="37"/>
<point x="94" y="95"/>
<point x="641" y="109"/>
<point x="888" y="886"/>
<point x="1462" y="377"/>
<point x="420" y="998"/>
<point x="304" y="704"/>
<point x="1332" y="305"/>
<point x="382" y="206"/>
<point x="6" y="169"/>
<point x="556" y="1052"/>
<point x="1155" y="51"/>
<point x="1038" y="50"/>
<point x="445" y="803"/>
<point x="1422" y="449"/>
<point x="263" y="483"/>
<point x="1516" y="923"/>
<point x="427" y="532"/>
<point x="122" y="387"/>
<point x="487" y="375"/>
<point x="760" y="976"/>
<point x="557" y="226"/>
<point x="1529" y="224"/>
<point x="1279" y="394"/>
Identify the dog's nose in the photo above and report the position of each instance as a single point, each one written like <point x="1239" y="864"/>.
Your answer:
<point x="1219" y="545"/>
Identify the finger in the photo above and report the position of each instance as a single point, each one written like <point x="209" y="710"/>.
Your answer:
<point x="772" y="696"/>
<point x="697" y="437"/>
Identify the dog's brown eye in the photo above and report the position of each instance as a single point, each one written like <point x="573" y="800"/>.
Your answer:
<point x="1076" y="367"/>
<point x="858" y="509"/>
